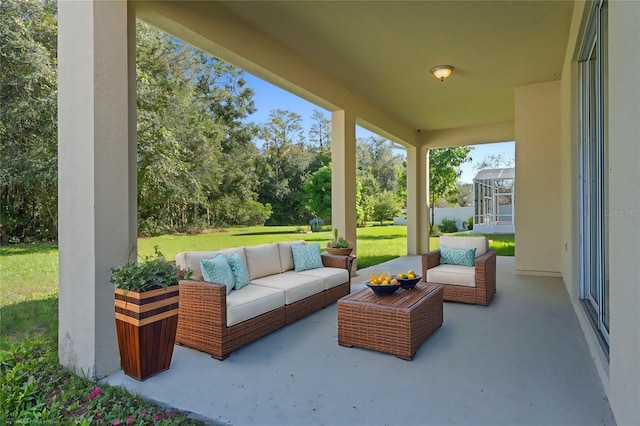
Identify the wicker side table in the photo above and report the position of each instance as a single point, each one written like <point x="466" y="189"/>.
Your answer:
<point x="397" y="324"/>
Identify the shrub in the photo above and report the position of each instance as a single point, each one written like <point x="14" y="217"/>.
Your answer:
<point x="470" y="223"/>
<point x="151" y="228"/>
<point x="449" y="225"/>
<point x="435" y="231"/>
<point x="36" y="390"/>
<point x="316" y="224"/>
<point x="153" y="272"/>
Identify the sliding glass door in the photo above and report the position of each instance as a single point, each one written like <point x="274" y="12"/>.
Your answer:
<point x="594" y="277"/>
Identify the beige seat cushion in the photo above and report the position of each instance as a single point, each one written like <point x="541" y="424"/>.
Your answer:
<point x="263" y="260"/>
<point x="295" y="285"/>
<point x="452" y="274"/>
<point x="191" y="259"/>
<point x="251" y="301"/>
<point x="478" y="243"/>
<point x="332" y="277"/>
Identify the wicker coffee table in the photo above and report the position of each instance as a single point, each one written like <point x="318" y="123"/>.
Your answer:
<point x="397" y="324"/>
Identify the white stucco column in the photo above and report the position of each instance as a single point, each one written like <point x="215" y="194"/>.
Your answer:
<point x="96" y="141"/>
<point x="343" y="179"/>
<point x="417" y="201"/>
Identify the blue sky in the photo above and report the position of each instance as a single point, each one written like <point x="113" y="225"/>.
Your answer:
<point x="268" y="97"/>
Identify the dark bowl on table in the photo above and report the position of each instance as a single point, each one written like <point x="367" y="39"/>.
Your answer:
<point x="407" y="283"/>
<point x="383" y="290"/>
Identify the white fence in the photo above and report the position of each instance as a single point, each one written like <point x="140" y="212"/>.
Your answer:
<point x="460" y="214"/>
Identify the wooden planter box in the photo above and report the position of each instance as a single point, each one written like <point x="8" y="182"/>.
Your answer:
<point x="146" y="325"/>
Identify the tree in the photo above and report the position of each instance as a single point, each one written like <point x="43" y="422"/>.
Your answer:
<point x="318" y="190"/>
<point x="28" y="120"/>
<point x="465" y="194"/>
<point x="191" y="139"/>
<point x="283" y="167"/>
<point x="494" y="161"/>
<point x="444" y="172"/>
<point x="402" y="183"/>
<point x="320" y="130"/>
<point x="386" y="206"/>
<point x="320" y="140"/>
<point x="376" y="156"/>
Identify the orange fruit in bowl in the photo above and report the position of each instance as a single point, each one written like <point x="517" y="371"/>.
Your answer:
<point x="394" y="281"/>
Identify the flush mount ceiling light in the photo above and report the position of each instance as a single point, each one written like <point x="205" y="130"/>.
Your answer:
<point x="442" y="71"/>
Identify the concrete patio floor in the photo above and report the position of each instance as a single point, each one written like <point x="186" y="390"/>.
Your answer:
<point x="521" y="361"/>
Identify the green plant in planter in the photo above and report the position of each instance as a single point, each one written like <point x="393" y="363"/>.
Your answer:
<point x="153" y="272"/>
<point x="338" y="242"/>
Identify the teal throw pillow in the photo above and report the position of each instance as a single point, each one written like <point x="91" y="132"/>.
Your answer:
<point x="217" y="270"/>
<point x="456" y="256"/>
<point x="306" y="256"/>
<point x="239" y="270"/>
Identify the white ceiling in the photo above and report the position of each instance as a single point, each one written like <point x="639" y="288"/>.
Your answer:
<point x="385" y="49"/>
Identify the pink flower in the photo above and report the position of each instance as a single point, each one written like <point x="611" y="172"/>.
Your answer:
<point x="143" y="412"/>
<point x="95" y="393"/>
<point x="156" y="419"/>
<point x="116" y="423"/>
<point x="130" y="420"/>
<point x="99" y="415"/>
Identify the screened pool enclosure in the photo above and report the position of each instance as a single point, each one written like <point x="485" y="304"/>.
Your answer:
<point x="493" y="191"/>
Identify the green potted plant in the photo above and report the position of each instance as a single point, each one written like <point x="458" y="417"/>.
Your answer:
<point x="146" y="311"/>
<point x="339" y="245"/>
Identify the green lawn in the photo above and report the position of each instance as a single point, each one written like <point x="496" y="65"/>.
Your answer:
<point x="503" y="244"/>
<point x="376" y="244"/>
<point x="30" y="271"/>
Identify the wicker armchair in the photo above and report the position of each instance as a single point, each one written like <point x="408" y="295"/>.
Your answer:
<point x="467" y="284"/>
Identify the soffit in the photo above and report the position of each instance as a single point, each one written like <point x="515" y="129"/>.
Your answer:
<point x="385" y="49"/>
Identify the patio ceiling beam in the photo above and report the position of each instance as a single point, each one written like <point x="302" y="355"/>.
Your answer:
<point x="212" y="27"/>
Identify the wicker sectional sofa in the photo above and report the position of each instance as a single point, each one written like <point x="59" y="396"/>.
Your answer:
<point x="212" y="321"/>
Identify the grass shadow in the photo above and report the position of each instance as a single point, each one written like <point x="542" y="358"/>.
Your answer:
<point x="23" y="249"/>
<point x="367" y="261"/>
<point x="381" y="237"/>
<point x="247" y="234"/>
<point x="31" y="317"/>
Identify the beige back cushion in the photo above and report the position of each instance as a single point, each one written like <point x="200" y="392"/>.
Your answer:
<point x="191" y="259"/>
<point x="263" y="260"/>
<point x="286" y="257"/>
<point x="479" y="243"/>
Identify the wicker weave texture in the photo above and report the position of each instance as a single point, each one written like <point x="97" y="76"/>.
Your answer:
<point x="397" y="324"/>
<point x="334" y="294"/>
<point x="202" y="319"/>
<point x="485" y="279"/>
<point x="304" y="307"/>
<point x="334" y="261"/>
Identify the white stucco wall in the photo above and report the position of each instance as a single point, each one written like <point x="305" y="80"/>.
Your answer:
<point x="624" y="209"/>
<point x="620" y="373"/>
<point x="537" y="182"/>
